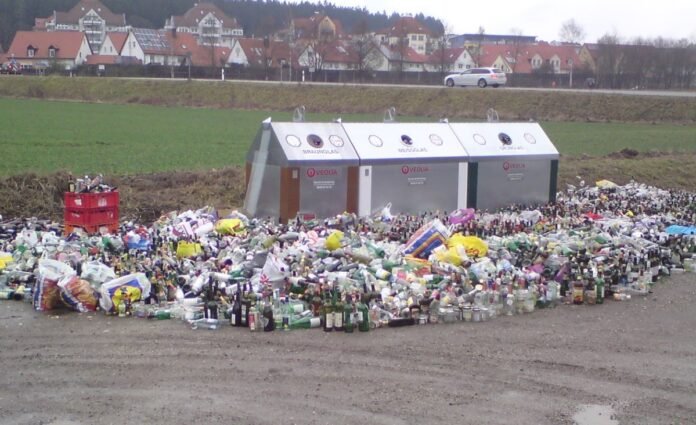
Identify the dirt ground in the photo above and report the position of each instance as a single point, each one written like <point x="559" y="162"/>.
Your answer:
<point x="637" y="357"/>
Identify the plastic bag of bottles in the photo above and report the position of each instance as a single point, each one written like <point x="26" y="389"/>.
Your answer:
<point x="426" y="239"/>
<point x="47" y="292"/>
<point x="77" y="294"/>
<point x="134" y="286"/>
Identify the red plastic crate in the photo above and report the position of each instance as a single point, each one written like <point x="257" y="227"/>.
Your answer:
<point x="76" y="201"/>
<point x="90" y="217"/>
<point x="109" y="228"/>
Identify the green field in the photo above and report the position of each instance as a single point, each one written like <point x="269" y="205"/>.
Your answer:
<point x="45" y="136"/>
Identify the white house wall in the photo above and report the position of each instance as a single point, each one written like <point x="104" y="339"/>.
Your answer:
<point x="132" y="48"/>
<point x="107" y="48"/>
<point x="237" y="55"/>
<point x="83" y="52"/>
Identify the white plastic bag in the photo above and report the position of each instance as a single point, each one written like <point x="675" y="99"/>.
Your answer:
<point x="274" y="271"/>
<point x="135" y="286"/>
<point x="97" y="273"/>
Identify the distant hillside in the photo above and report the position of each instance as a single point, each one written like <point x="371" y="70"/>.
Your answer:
<point x="257" y="17"/>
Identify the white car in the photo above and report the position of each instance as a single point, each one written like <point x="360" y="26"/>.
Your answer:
<point x="481" y="77"/>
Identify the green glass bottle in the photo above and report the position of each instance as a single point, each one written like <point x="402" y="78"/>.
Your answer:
<point x="599" y="287"/>
<point x="348" y="315"/>
<point x="327" y="313"/>
<point x="363" y="317"/>
<point x="305" y="322"/>
<point x="162" y="314"/>
<point x="337" y="307"/>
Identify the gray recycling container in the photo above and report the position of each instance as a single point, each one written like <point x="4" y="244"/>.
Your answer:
<point x="509" y="163"/>
<point x="301" y="168"/>
<point x="415" y="167"/>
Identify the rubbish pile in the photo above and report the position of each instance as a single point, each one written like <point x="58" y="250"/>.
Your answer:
<point x="348" y="273"/>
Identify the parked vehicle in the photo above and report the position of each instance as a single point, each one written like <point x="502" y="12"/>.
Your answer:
<point x="481" y="77"/>
<point x="10" y="68"/>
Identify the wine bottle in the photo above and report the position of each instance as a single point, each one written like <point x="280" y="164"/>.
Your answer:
<point x="363" y="317"/>
<point x="327" y="313"/>
<point x="599" y="287"/>
<point x="348" y="315"/>
<point x="269" y="323"/>
<point x="245" y="306"/>
<point x="337" y="307"/>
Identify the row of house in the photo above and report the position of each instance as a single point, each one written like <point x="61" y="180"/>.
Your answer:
<point x="90" y="33"/>
<point x="162" y="47"/>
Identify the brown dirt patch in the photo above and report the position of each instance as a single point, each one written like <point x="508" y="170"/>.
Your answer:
<point x="145" y="197"/>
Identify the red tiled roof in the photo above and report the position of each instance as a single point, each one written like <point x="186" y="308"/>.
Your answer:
<point x="102" y="59"/>
<point x="338" y="52"/>
<point x="80" y="9"/>
<point x="256" y="52"/>
<point x="201" y="55"/>
<point x="193" y="16"/>
<point x="519" y="57"/>
<point x="118" y="39"/>
<point x="448" y="56"/>
<point x="409" y="55"/>
<point x="406" y="25"/>
<point x="66" y="43"/>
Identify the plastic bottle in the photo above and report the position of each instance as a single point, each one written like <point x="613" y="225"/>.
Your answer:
<point x="211" y="324"/>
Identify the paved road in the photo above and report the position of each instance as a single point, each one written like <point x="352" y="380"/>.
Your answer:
<point x="662" y="93"/>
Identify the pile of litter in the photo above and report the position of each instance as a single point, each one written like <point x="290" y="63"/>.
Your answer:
<point x="599" y="243"/>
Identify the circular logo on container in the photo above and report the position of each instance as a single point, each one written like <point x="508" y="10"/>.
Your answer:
<point x="336" y="141"/>
<point x="311" y="172"/>
<point x="375" y="141"/>
<point x="293" y="141"/>
<point x="406" y="140"/>
<point x="315" y="141"/>
<point x="529" y="138"/>
<point x="505" y="139"/>
<point x="506" y="165"/>
<point x="479" y="139"/>
<point x="436" y="140"/>
<point x="404" y="169"/>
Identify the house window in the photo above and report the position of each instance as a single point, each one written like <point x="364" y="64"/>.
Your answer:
<point x="30" y="52"/>
<point x="414" y="37"/>
<point x="52" y="53"/>
<point x="420" y="37"/>
<point x="460" y="66"/>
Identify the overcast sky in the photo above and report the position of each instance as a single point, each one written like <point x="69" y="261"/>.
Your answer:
<point x="626" y="18"/>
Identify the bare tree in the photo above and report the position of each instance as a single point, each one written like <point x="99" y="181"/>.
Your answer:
<point x="363" y="44"/>
<point x="515" y="52"/>
<point x="571" y="32"/>
<point x="439" y="49"/>
<point x="478" y="49"/>
<point x="638" y="63"/>
<point x="402" y="46"/>
<point x="609" y="59"/>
